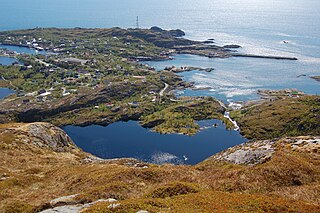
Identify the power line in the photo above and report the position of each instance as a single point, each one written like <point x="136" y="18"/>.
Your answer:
<point x="137" y="22"/>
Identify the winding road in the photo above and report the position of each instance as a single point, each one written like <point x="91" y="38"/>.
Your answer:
<point x="164" y="89"/>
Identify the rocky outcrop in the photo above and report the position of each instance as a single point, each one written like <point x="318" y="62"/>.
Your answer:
<point x="317" y="78"/>
<point x="42" y="135"/>
<point x="50" y="136"/>
<point x="248" y="153"/>
<point x="64" y="209"/>
<point x="65" y="200"/>
<point x="258" y="152"/>
<point x="71" y="204"/>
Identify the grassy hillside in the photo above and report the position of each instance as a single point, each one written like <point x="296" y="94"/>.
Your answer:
<point x="32" y="174"/>
<point x="283" y="117"/>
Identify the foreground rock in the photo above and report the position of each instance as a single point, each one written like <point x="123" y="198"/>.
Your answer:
<point x="258" y="152"/>
<point x="42" y="135"/>
<point x="70" y="204"/>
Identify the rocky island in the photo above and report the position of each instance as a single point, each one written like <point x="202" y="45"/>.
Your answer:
<point x="317" y="78"/>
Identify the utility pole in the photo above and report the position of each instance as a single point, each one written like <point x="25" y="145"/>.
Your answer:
<point x="137" y="22"/>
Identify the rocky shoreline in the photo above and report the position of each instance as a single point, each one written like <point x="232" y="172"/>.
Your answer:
<point x="171" y="40"/>
<point x="317" y="78"/>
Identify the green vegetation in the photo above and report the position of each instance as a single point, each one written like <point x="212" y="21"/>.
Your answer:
<point x="94" y="77"/>
<point x="181" y="117"/>
<point x="317" y="78"/>
<point x="284" y="117"/>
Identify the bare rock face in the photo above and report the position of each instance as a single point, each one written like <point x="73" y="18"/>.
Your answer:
<point x="249" y="157"/>
<point x="43" y="135"/>
<point x="65" y="200"/>
<point x="249" y="153"/>
<point x="64" y="209"/>
<point x="70" y="204"/>
<point x="258" y="152"/>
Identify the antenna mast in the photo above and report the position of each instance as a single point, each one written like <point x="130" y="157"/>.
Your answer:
<point x="138" y="22"/>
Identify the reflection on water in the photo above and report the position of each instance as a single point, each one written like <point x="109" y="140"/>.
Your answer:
<point x="128" y="139"/>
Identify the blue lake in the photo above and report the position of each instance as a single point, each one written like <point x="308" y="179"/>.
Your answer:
<point x="4" y="92"/>
<point x="129" y="139"/>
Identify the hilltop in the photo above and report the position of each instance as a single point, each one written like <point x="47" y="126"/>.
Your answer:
<point x="41" y="164"/>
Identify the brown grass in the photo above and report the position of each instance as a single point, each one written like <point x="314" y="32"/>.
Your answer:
<point x="31" y="177"/>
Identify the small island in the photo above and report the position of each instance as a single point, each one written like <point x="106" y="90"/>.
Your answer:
<point x="317" y="78"/>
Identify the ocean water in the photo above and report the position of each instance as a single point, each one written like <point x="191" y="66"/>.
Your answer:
<point x="259" y="26"/>
<point x="116" y="141"/>
<point x="238" y="79"/>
